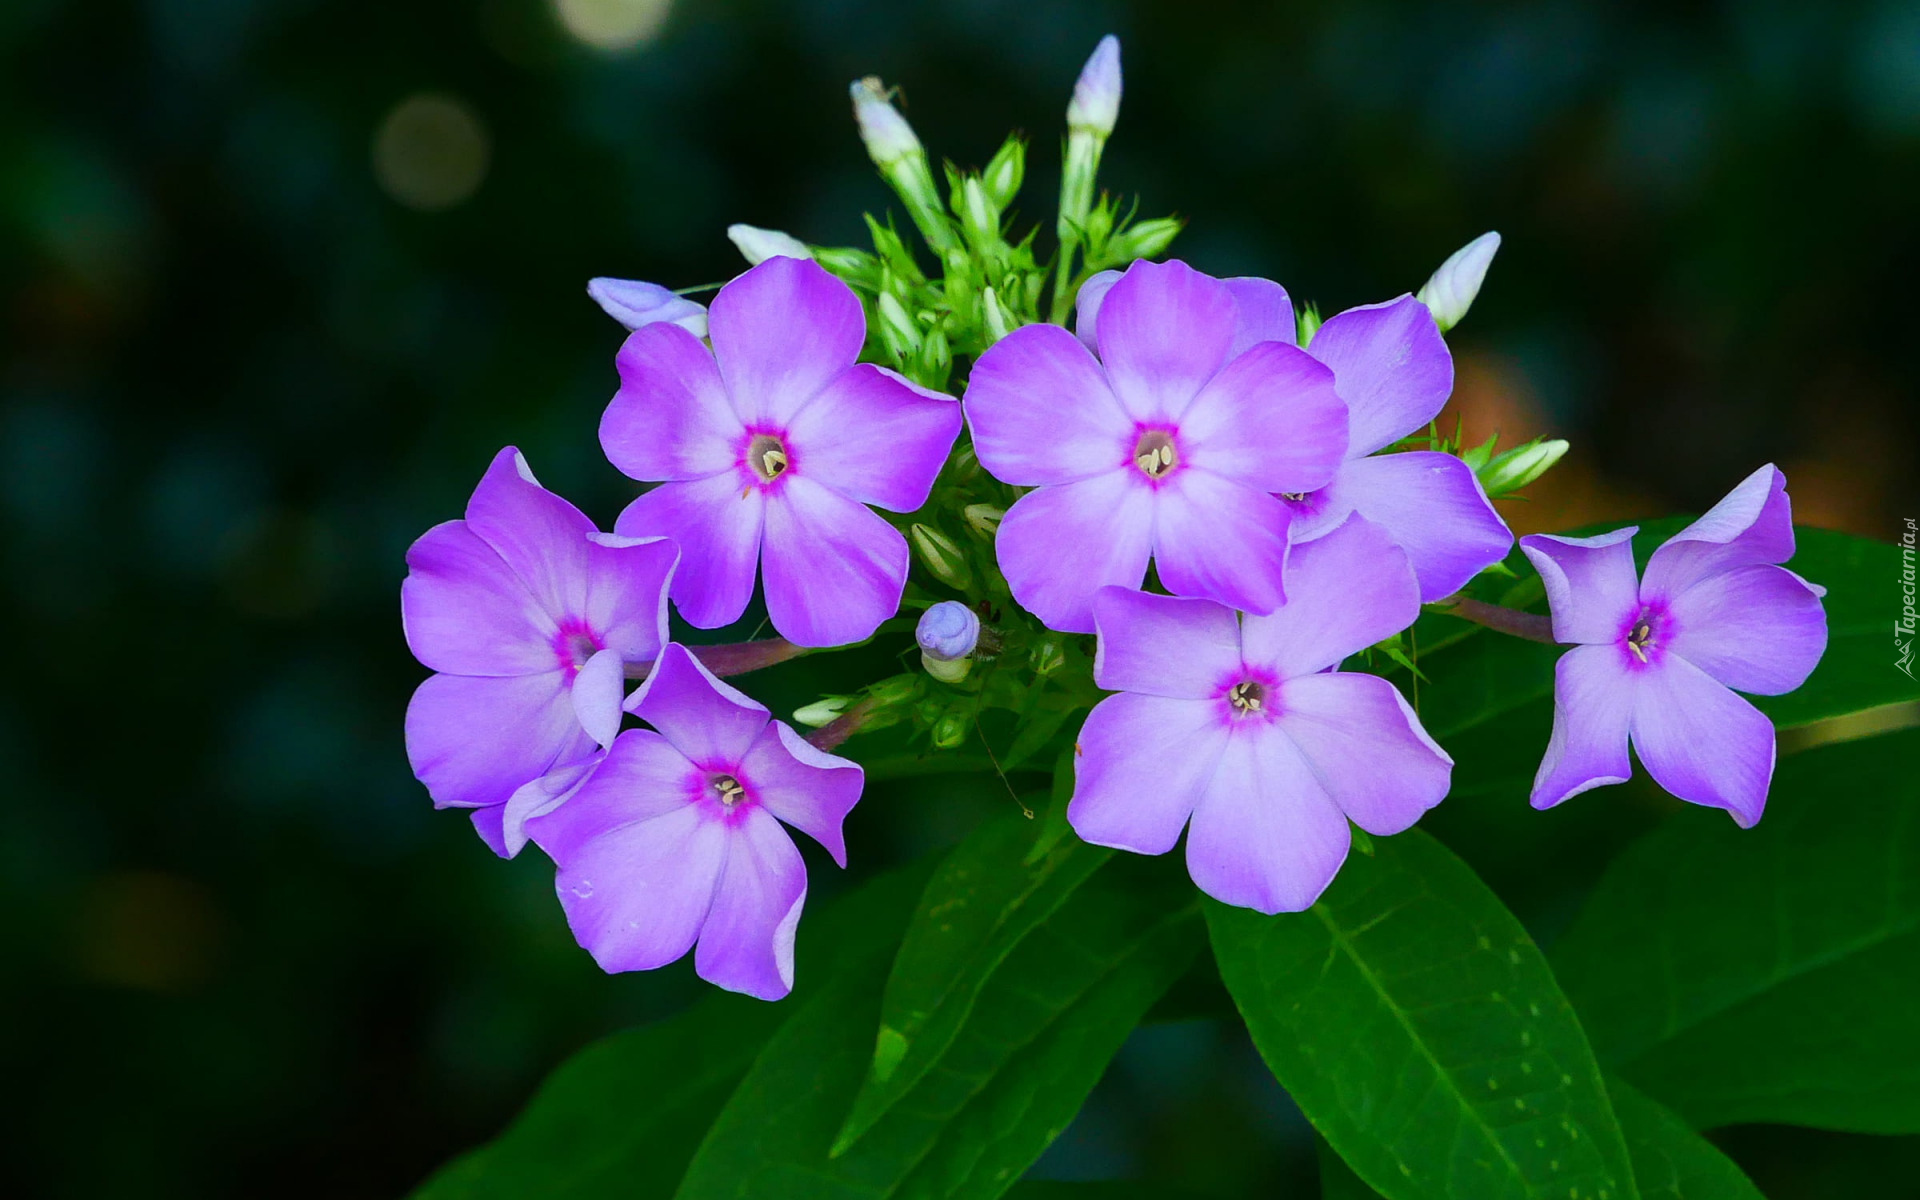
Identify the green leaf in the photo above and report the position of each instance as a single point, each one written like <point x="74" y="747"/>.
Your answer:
<point x="1117" y="1189"/>
<point x="1419" y="1029"/>
<point x="1670" y="1161"/>
<point x="1037" y="1039"/>
<point x="981" y="902"/>
<point x="1337" y="1180"/>
<point x="622" y="1116"/>
<point x="1769" y="974"/>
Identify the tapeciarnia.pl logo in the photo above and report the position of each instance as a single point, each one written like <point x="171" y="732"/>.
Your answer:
<point x="1903" y="627"/>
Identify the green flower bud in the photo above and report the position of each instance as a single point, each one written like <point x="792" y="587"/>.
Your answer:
<point x="1047" y="657"/>
<point x="936" y="357"/>
<point x="1520" y="466"/>
<point x="950" y="731"/>
<point x="1144" y="239"/>
<point x="897" y="330"/>
<point x="979" y="215"/>
<point x="947" y="670"/>
<point x="1308" y="323"/>
<point x="1005" y="173"/>
<point x="895" y="689"/>
<point x="822" y="711"/>
<point x="999" y="321"/>
<point x="946" y="561"/>
<point x="983" y="519"/>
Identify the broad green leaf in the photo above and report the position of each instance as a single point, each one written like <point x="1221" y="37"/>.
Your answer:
<point x="1119" y="1189"/>
<point x="623" y="1116"/>
<point x="1037" y="1039"/>
<point x="1337" y="1180"/>
<point x="1769" y="974"/>
<point x="1419" y="1029"/>
<point x="989" y="894"/>
<point x="1670" y="1161"/>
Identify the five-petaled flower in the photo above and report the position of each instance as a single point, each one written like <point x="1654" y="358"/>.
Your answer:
<point x="771" y="445"/>
<point x="1655" y="659"/>
<point x="1169" y="447"/>
<point x="1242" y="726"/>
<point x="677" y="837"/>
<point x="529" y="614"/>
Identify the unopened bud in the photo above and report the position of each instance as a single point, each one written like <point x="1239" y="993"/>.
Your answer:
<point x="855" y="266"/>
<point x="1047" y="657"/>
<point x="758" y="245"/>
<point x="897" y="329"/>
<point x="1096" y="95"/>
<point x="948" y="631"/>
<point x="936" y="356"/>
<point x="1144" y="239"/>
<point x="886" y="133"/>
<point x="983" y="519"/>
<point x="1520" y="466"/>
<point x="1451" y="291"/>
<point x="1307" y="323"/>
<point x="946" y="561"/>
<point x="979" y="215"/>
<point x="999" y="321"/>
<point x="634" y="303"/>
<point x="822" y="711"/>
<point x="949" y="731"/>
<point x="1004" y="174"/>
<point x="947" y="670"/>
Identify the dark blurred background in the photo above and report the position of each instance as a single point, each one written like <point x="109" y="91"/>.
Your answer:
<point x="279" y="276"/>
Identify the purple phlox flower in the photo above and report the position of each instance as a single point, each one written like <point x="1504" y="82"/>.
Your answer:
<point x="634" y="304"/>
<point x="1168" y="447"/>
<point x="1245" y="729"/>
<point x="677" y="837"/>
<point x="1656" y="659"/>
<point x="1394" y="371"/>
<point x="771" y="446"/>
<point x="529" y="614"/>
<point x="948" y="630"/>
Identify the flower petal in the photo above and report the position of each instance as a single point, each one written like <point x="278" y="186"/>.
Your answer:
<point x="489" y="823"/>
<point x="716" y="523"/>
<point x="1041" y="411"/>
<point x="1391" y="367"/>
<point x="627" y="582"/>
<point x="871" y="436"/>
<point x="1433" y="506"/>
<point x="1086" y="307"/>
<point x="637" y="895"/>
<point x="1701" y="742"/>
<point x="1270" y="419"/>
<point x="1163" y="645"/>
<point x="834" y="569"/>
<point x="541" y="536"/>
<point x="1757" y="629"/>
<point x="1366" y="747"/>
<point x="639" y="778"/>
<point x="1164" y="330"/>
<point x="635" y="303"/>
<point x="671" y="418"/>
<point x="1264" y="313"/>
<point x="1142" y="763"/>
<point x="1752" y="524"/>
<point x="465" y="611"/>
<point x="475" y="740"/>
<point x="1265" y="834"/>
<point x="806" y="787"/>
<point x="1220" y="539"/>
<point x="596" y="693"/>
<point x="1592" y="587"/>
<point x="712" y="723"/>
<point x="746" y="944"/>
<point x="1057" y="546"/>
<point x="1592" y="705"/>
<point x="780" y="332"/>
<point x="550" y="791"/>
<point x="1345" y="591"/>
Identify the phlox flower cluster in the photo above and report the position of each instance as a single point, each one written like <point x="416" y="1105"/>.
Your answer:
<point x="1095" y="482"/>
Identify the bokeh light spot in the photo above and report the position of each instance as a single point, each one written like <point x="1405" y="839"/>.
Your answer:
<point x="430" y="152"/>
<point x="612" y="24"/>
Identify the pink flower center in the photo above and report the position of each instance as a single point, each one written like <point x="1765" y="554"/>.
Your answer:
<point x="573" y="644"/>
<point x="1155" y="453"/>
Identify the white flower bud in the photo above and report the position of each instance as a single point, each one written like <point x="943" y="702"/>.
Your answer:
<point x="897" y="329"/>
<point x="979" y="215"/>
<point x="886" y="133"/>
<point x="1096" y="96"/>
<point x="1000" y="322"/>
<point x="1451" y="290"/>
<point x="634" y="303"/>
<point x="1521" y="465"/>
<point x="758" y="245"/>
<point x="943" y="558"/>
<point x="823" y="711"/>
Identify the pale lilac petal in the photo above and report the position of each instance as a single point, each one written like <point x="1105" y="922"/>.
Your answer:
<point x="780" y="332"/>
<point x="1391" y="367"/>
<point x="1320" y="511"/>
<point x="806" y="787"/>
<point x="489" y="823"/>
<point x="746" y="944"/>
<point x="712" y="723"/>
<point x="639" y="778"/>
<point x="834" y="569"/>
<point x="1057" y="546"/>
<point x="1753" y="524"/>
<point x="1432" y="504"/>
<point x="1592" y="589"/>
<point x="1163" y="645"/>
<point x="1220" y="539"/>
<point x="1757" y="629"/>
<point x="475" y="740"/>
<point x="1265" y="834"/>
<point x="1041" y="411"/>
<point x="1264" y="313"/>
<point x="1086" y="307"/>
<point x="627" y="583"/>
<point x="597" y="691"/>
<point x="541" y="536"/>
<point x="635" y="303"/>
<point x="870" y="436"/>
<point x="1141" y="765"/>
<point x="1270" y="419"/>
<point x="1164" y="330"/>
<point x="716" y="523"/>
<point x="547" y="793"/>
<point x="1366" y="747"/>
<point x="1345" y="591"/>
<point x="671" y="418"/>
<point x="1592" y="705"/>
<point x="465" y="611"/>
<point x="637" y="895"/>
<point x="1701" y="742"/>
